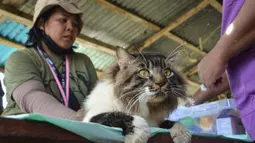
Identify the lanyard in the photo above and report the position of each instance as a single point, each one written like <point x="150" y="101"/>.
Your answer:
<point x="64" y="84"/>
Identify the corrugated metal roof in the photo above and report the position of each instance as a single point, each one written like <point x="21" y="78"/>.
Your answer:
<point x="99" y="59"/>
<point x="184" y="59"/>
<point x="14" y="31"/>
<point x="160" y="12"/>
<point x="113" y="28"/>
<point x="205" y="24"/>
<point x="17" y="32"/>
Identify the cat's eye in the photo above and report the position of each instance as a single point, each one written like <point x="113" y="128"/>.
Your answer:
<point x="144" y="73"/>
<point x="168" y="73"/>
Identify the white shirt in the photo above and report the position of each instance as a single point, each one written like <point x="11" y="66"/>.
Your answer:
<point x="4" y="89"/>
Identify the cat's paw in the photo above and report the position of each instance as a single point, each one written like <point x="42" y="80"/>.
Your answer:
<point x="180" y="134"/>
<point x="140" y="133"/>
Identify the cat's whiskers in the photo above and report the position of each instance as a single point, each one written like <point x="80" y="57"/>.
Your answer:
<point x="140" y="52"/>
<point x="135" y="96"/>
<point x="143" y="96"/>
<point x="181" y="86"/>
<point x="177" y="93"/>
<point x="174" y="51"/>
<point x="132" y="100"/>
<point x="123" y="95"/>
<point x="178" y="89"/>
<point x="138" y="99"/>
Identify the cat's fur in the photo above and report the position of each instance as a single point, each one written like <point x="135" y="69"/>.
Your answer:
<point x="125" y="99"/>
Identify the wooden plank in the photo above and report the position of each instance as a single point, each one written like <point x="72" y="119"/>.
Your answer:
<point x="18" y="16"/>
<point x="2" y="18"/>
<point x="216" y="5"/>
<point x="174" y="24"/>
<point x="191" y="71"/>
<point x="200" y="43"/>
<point x="187" y="44"/>
<point x="96" y="44"/>
<point x="26" y="19"/>
<point x="11" y="44"/>
<point x="99" y="74"/>
<point x="147" y="23"/>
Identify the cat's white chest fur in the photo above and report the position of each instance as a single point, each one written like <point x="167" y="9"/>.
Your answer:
<point x="102" y="99"/>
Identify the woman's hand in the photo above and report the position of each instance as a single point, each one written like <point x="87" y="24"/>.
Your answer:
<point x="211" y="68"/>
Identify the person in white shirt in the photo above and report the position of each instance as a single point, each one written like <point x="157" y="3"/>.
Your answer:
<point x="3" y="101"/>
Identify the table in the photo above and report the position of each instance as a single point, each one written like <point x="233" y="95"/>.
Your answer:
<point x="26" y="131"/>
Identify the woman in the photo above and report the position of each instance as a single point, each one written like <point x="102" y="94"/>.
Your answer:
<point x="235" y="51"/>
<point x="48" y="77"/>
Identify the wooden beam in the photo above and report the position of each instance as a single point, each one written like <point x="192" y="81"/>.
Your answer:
<point x="174" y="24"/>
<point x="13" y="2"/>
<point x="192" y="83"/>
<point x="99" y="74"/>
<point x="11" y="44"/>
<point x="96" y="44"/>
<point x="26" y="19"/>
<point x="216" y="5"/>
<point x="200" y="43"/>
<point x="2" y="18"/>
<point x="191" y="71"/>
<point x="187" y="44"/>
<point x="149" y="24"/>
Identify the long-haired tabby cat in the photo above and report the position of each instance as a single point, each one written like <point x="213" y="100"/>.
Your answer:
<point x="136" y="93"/>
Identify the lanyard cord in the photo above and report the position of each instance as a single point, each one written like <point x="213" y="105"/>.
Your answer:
<point x="64" y="76"/>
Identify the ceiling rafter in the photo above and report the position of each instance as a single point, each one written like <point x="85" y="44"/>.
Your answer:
<point x="174" y="24"/>
<point x="151" y="25"/>
<point x="2" y="18"/>
<point x="217" y="6"/>
<point x="11" y="44"/>
<point x="25" y="19"/>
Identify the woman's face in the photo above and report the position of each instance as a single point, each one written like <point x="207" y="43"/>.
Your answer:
<point x="62" y="27"/>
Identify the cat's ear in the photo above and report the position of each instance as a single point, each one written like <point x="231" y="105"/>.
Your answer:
<point x="123" y="57"/>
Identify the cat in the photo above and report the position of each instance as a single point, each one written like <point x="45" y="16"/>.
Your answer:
<point x="137" y="93"/>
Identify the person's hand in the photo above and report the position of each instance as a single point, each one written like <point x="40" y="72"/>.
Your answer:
<point x="188" y="102"/>
<point x="210" y="69"/>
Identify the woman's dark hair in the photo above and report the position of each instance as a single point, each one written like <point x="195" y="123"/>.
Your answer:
<point x="35" y="33"/>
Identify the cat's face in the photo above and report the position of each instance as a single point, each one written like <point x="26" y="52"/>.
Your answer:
<point x="148" y="78"/>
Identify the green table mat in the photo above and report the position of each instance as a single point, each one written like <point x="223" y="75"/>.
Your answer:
<point x="96" y="132"/>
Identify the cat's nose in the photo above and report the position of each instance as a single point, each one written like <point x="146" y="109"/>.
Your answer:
<point x="158" y="86"/>
<point x="160" y="82"/>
